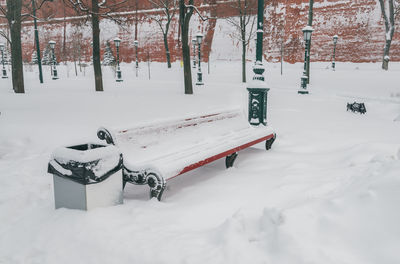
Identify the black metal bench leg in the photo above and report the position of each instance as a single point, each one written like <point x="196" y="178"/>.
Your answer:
<point x="157" y="185"/>
<point x="229" y="160"/>
<point x="155" y="181"/>
<point x="269" y="142"/>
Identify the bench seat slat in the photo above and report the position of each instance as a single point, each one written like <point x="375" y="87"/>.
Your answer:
<point x="173" y="163"/>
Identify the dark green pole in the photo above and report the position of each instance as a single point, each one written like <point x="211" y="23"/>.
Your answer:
<point x="37" y="41"/>
<point x="260" y="22"/>
<point x="310" y="20"/>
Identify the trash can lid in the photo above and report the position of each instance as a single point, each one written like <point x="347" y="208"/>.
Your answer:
<point x="86" y="163"/>
<point x="85" y="153"/>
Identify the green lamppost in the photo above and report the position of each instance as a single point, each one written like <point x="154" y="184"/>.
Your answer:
<point x="307" y="31"/>
<point x="335" y="39"/>
<point x="136" y="44"/>
<point x="194" y="42"/>
<point x="4" y="75"/>
<point x="199" y="39"/>
<point x="257" y="88"/>
<point x="52" y="44"/>
<point x="117" y="42"/>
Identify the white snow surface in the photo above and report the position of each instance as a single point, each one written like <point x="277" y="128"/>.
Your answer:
<point x="327" y="192"/>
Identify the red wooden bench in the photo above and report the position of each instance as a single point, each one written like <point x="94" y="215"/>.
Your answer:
<point x="159" y="151"/>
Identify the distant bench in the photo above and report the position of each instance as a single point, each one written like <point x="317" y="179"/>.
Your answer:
<point x="159" y="151"/>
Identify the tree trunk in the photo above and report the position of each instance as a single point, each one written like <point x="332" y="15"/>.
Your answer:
<point x="64" y="53"/>
<point x="388" y="17"/>
<point x="96" y="47"/>
<point x="243" y="61"/>
<point x="167" y="50"/>
<point x="187" y="69"/>
<point x="14" y="20"/>
<point x="386" y="58"/>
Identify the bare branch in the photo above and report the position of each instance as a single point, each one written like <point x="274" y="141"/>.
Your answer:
<point x="198" y="12"/>
<point x="2" y="10"/>
<point x="5" y="36"/>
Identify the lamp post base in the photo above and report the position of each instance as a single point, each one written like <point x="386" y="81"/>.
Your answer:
<point x="302" y="92"/>
<point x="119" y="76"/>
<point x="199" y="78"/>
<point x="303" y="85"/>
<point x="257" y="108"/>
<point x="55" y="74"/>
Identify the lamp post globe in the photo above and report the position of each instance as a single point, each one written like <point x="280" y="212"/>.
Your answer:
<point x="335" y="39"/>
<point x="194" y="42"/>
<point x="52" y="45"/>
<point x="199" y="39"/>
<point x="117" y="42"/>
<point x="4" y="71"/>
<point x="136" y="44"/>
<point x="307" y="31"/>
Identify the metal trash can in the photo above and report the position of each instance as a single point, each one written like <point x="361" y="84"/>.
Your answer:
<point x="87" y="176"/>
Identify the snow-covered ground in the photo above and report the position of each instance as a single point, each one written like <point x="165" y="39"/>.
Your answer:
<point x="328" y="191"/>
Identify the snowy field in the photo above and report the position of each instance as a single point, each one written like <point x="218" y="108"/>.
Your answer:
<point x="328" y="192"/>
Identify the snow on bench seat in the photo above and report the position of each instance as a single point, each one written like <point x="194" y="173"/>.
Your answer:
<point x="159" y="151"/>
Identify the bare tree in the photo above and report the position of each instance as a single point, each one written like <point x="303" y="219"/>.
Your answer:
<point x="388" y="10"/>
<point x="163" y="20"/>
<point x="12" y="12"/>
<point x="185" y="13"/>
<point x="95" y="10"/>
<point x="244" y="25"/>
<point x="14" y="18"/>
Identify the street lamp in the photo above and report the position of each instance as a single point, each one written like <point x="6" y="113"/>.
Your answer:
<point x="52" y="44"/>
<point x="136" y="44"/>
<point x="4" y="75"/>
<point x="307" y="31"/>
<point x="194" y="42"/>
<point x="258" y="91"/>
<point x="335" y="39"/>
<point x="199" y="39"/>
<point x="117" y="42"/>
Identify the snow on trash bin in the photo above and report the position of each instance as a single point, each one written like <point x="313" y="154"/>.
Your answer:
<point x="87" y="176"/>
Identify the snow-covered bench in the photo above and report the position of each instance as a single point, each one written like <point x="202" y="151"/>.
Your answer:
<point x="157" y="152"/>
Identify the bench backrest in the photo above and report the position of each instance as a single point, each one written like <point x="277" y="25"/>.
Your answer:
<point x="177" y="124"/>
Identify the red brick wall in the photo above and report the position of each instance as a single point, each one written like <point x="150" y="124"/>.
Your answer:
<point x="357" y="22"/>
